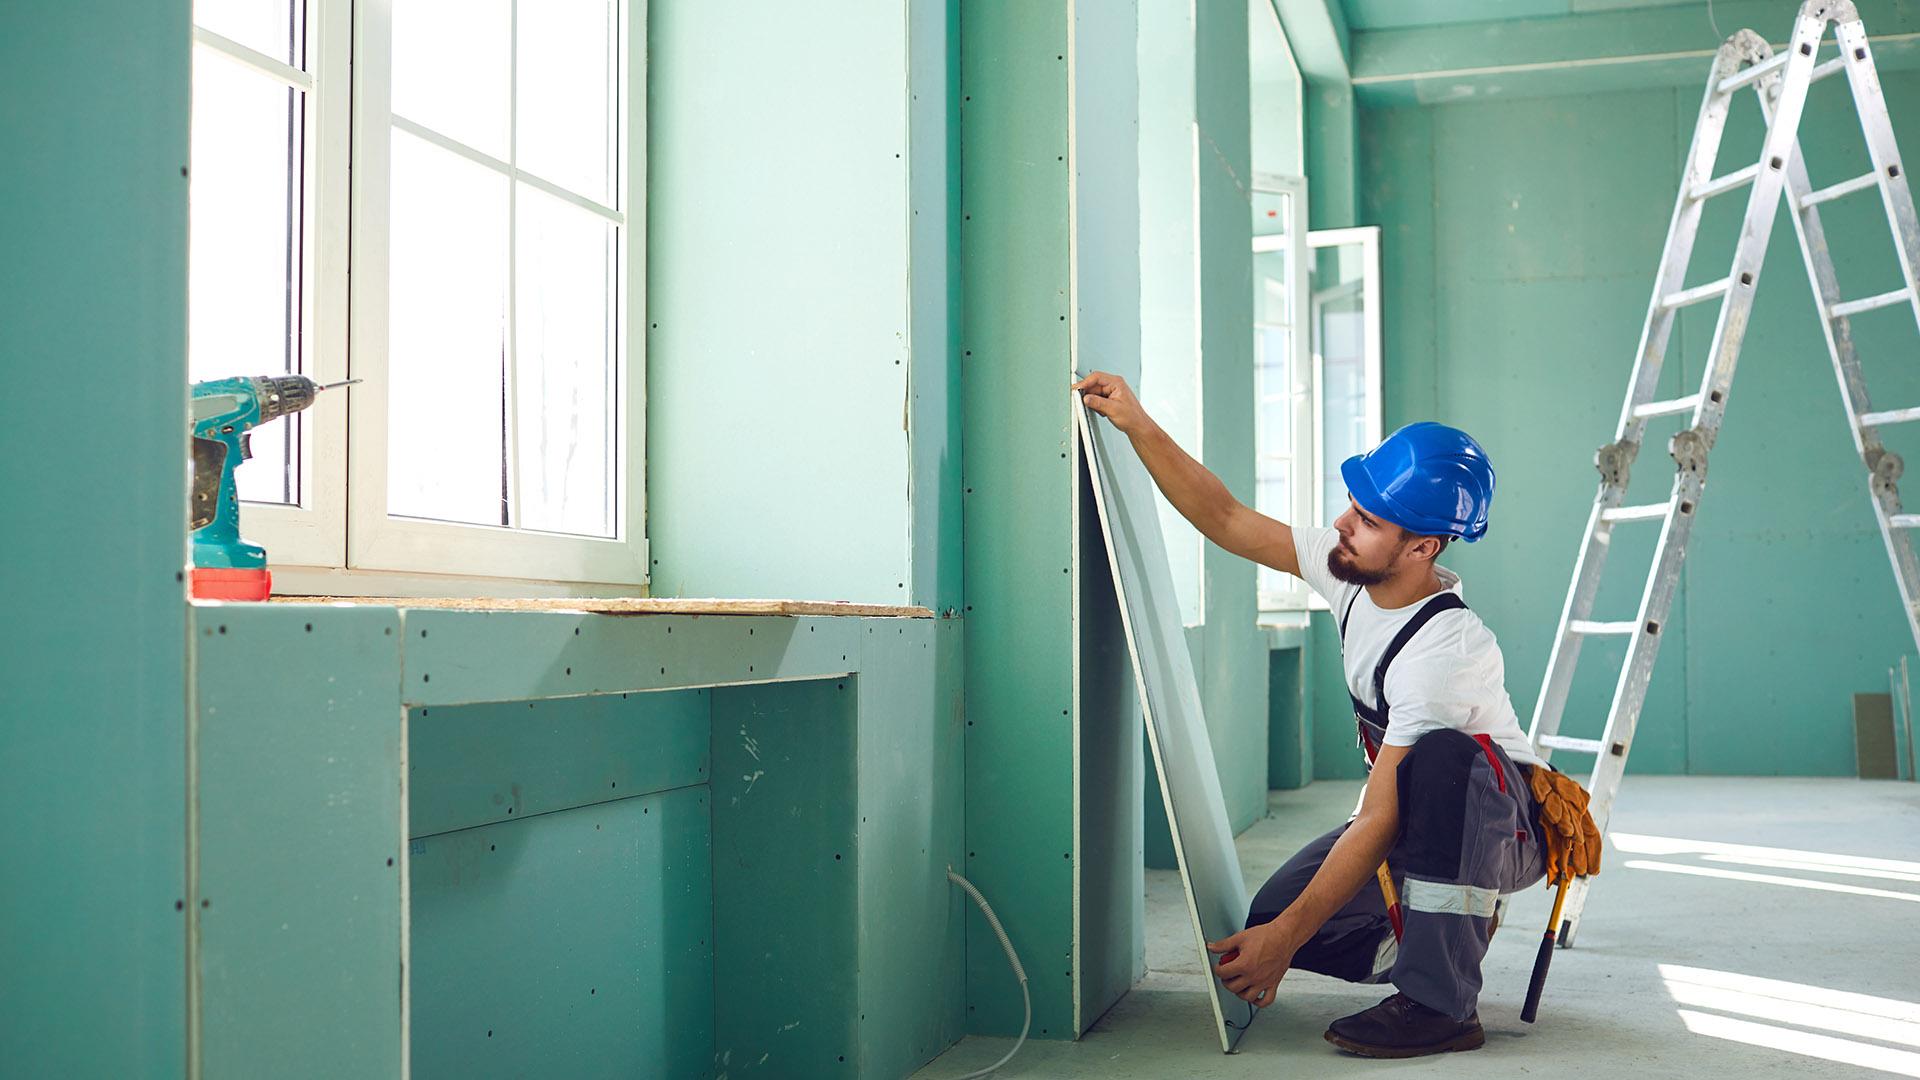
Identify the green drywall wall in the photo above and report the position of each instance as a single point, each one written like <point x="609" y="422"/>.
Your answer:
<point x="779" y="185"/>
<point x="1288" y="764"/>
<point x="785" y="878"/>
<point x="1109" y="943"/>
<point x="1018" y="500"/>
<point x="93" y="715"/>
<point x="1274" y="96"/>
<point x="298" y="854"/>
<point x="1232" y="660"/>
<point x="1169" y="384"/>
<point x="933" y="285"/>
<point x="572" y="943"/>
<point x="1514" y="301"/>
<point x="1050" y="266"/>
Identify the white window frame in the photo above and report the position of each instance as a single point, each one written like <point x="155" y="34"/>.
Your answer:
<point x="1368" y="237"/>
<point x="313" y="531"/>
<point x="1291" y="593"/>
<point x="341" y="540"/>
<point x="1309" y="497"/>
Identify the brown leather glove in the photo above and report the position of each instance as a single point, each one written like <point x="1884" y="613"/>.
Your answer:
<point x="1573" y="841"/>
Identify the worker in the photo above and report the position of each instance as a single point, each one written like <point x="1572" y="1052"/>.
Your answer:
<point x="1445" y="806"/>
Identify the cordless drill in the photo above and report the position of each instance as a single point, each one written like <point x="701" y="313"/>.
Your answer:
<point x="225" y="567"/>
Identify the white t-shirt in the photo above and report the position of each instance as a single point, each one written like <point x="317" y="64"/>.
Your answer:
<point x="1451" y="675"/>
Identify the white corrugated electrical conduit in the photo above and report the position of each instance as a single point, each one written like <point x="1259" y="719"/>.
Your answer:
<point x="1012" y="959"/>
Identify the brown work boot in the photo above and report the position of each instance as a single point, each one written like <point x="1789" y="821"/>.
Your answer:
<point x="1401" y="1027"/>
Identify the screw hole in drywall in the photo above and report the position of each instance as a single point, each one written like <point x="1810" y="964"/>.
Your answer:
<point x="509" y="809"/>
<point x="569" y="671"/>
<point x="576" y="631"/>
<point x="423" y="633"/>
<point x="426" y="678"/>
<point x="491" y="847"/>
<point x="309" y="628"/>
<point x="204" y="904"/>
<point x="223" y="629"/>
<point x="389" y="860"/>
<point x="179" y="905"/>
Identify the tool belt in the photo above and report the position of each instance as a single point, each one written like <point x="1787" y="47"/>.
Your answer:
<point x="1572" y="839"/>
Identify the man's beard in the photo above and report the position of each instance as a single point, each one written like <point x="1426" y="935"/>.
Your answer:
<point x="1351" y="574"/>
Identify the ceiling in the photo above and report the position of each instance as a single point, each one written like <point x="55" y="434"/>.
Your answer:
<point x="1411" y="14"/>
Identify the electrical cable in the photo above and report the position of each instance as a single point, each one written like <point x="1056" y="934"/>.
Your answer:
<point x="1012" y="959"/>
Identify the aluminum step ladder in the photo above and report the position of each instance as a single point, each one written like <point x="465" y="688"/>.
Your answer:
<point x="1781" y="80"/>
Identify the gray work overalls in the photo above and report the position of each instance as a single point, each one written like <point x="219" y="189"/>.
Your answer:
<point x="1469" y="831"/>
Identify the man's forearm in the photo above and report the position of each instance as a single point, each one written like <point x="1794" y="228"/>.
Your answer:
<point x="1193" y="490"/>
<point x="1348" y="868"/>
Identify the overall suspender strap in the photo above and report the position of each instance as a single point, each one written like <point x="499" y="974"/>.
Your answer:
<point x="1376" y="716"/>
<point x="1446" y="601"/>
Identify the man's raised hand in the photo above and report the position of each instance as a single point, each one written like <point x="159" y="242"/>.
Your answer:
<point x="1111" y="397"/>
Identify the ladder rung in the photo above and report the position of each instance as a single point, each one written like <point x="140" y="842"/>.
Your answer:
<point x="1891" y="416"/>
<point x="1854" y="307"/>
<point x="1667" y="408"/>
<point x="1568" y="742"/>
<point x="1844" y="187"/>
<point x="1696" y="294"/>
<point x="1649" y="512"/>
<point x="1821" y="71"/>
<point x="1720" y="185"/>
<point x="1904" y="521"/>
<point x="1586" y="626"/>
<point x="1755" y="73"/>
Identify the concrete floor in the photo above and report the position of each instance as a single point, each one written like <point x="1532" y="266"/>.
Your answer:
<point x="1694" y="959"/>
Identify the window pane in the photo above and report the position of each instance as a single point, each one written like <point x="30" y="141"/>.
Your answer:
<point x="1273" y="395"/>
<point x="1270" y="210"/>
<point x="451" y="69"/>
<point x="446" y="337"/>
<point x="274" y="27"/>
<point x="1272" y="298"/>
<point x="1343" y="394"/>
<point x="244" y="221"/>
<point x="568" y="76"/>
<point x="564" y="384"/>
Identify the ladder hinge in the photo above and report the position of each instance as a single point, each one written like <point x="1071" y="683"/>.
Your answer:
<point x="1689" y="448"/>
<point x="1886" y="467"/>
<point x="1615" y="462"/>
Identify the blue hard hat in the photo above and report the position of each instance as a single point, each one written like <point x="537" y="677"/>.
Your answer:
<point x="1426" y="478"/>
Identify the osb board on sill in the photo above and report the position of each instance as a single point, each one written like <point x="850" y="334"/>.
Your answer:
<point x="629" y="605"/>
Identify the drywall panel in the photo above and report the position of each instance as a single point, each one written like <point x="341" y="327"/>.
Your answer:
<point x="1018" y="505"/>
<point x="1109" y="887"/>
<point x="299" y="846"/>
<point x="1169" y="696"/>
<point x="576" y="943"/>
<point x="785" y="882"/>
<point x="93" y="715"/>
<point x="912" y="923"/>
<point x="779" y="301"/>
<point x="933" y="284"/>
<point x="471" y="765"/>
<point x="462" y="657"/>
